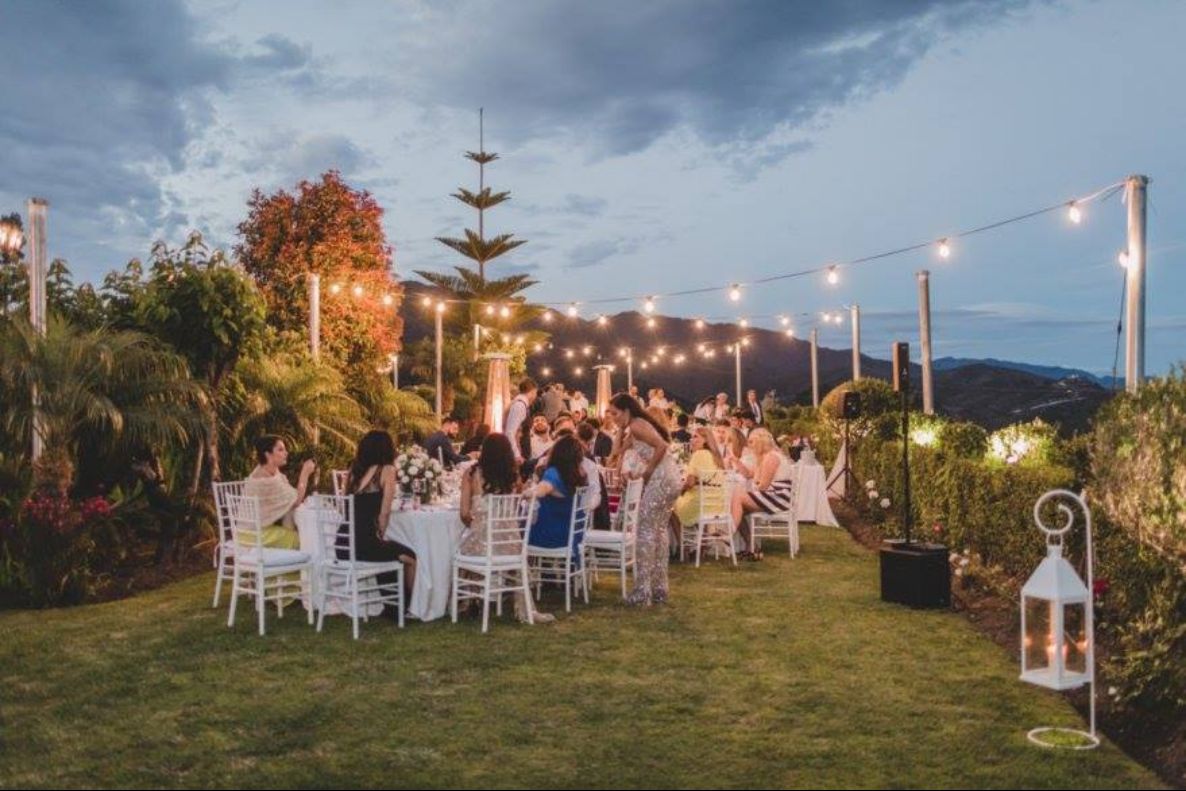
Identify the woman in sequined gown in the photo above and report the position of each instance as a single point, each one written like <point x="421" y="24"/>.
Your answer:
<point x="661" y="485"/>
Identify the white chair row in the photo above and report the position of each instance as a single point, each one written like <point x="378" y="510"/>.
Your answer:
<point x="280" y="575"/>
<point x="714" y="527"/>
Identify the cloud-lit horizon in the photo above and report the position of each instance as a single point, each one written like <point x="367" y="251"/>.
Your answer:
<point x="648" y="147"/>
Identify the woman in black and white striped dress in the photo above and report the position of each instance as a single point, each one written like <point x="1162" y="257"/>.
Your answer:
<point x="771" y="493"/>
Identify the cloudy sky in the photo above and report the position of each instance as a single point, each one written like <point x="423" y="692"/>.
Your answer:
<point x="649" y="146"/>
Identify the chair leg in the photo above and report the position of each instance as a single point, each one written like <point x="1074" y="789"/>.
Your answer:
<point x="399" y="587"/>
<point x="261" y="602"/>
<point x="528" y="604"/>
<point x="309" y="585"/>
<point x="221" y="569"/>
<point x="354" y="602"/>
<point x="622" y="571"/>
<point x="230" y="621"/>
<point x="568" y="589"/>
<point x="486" y="606"/>
<point x="452" y="600"/>
<point x="324" y="585"/>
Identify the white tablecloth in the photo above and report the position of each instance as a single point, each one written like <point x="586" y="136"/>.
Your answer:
<point x="432" y="533"/>
<point x="811" y="494"/>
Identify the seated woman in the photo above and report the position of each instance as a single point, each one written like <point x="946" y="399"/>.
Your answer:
<point x="739" y="457"/>
<point x="277" y="497"/>
<point x="494" y="473"/>
<point x="556" y="493"/>
<point x="372" y="482"/>
<point x="771" y="494"/>
<point x="706" y="462"/>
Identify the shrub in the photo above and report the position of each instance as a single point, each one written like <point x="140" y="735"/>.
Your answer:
<point x="1022" y="443"/>
<point x="963" y="440"/>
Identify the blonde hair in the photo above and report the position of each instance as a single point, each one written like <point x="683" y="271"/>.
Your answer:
<point x="710" y="444"/>
<point x="763" y="441"/>
<point x="659" y="414"/>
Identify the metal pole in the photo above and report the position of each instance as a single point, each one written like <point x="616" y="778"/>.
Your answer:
<point x="37" y="211"/>
<point x="1134" y="309"/>
<point x="855" y="310"/>
<point x="737" y="368"/>
<point x="440" y="339"/>
<point x="629" y="369"/>
<point x="395" y="370"/>
<point x="924" y="331"/>
<point x="477" y="341"/>
<point x="315" y="315"/>
<point x="815" y="367"/>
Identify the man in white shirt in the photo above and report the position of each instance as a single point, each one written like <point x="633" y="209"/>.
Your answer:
<point x="722" y="410"/>
<point x="517" y="414"/>
<point x="541" y="437"/>
<point x="578" y="402"/>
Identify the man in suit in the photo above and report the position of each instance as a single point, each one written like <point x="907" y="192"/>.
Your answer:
<point x="755" y="407"/>
<point x="517" y="415"/>
<point x="439" y="444"/>
<point x="603" y="444"/>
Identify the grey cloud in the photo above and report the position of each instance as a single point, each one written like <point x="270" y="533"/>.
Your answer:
<point x="624" y="74"/>
<point x="598" y="251"/>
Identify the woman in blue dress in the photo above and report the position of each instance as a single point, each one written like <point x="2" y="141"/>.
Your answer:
<point x="555" y="493"/>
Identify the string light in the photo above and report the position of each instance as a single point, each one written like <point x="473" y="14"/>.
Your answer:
<point x="655" y="359"/>
<point x="578" y="371"/>
<point x="358" y="291"/>
<point x="729" y="348"/>
<point x="735" y="292"/>
<point x="602" y="320"/>
<point x="539" y="347"/>
<point x="587" y="350"/>
<point x="651" y="322"/>
<point x="833" y="275"/>
<point x="644" y="365"/>
<point x="1123" y="259"/>
<point x="387" y="300"/>
<point x="547" y="317"/>
<point x="784" y="321"/>
<point x="504" y="311"/>
<point x="426" y="301"/>
<point x="489" y="310"/>
<point x="335" y="288"/>
<point x="679" y="359"/>
<point x="1074" y="213"/>
<point x="649" y="305"/>
<point x="623" y="352"/>
<point x="790" y="333"/>
<point x="700" y="348"/>
<point x="546" y="371"/>
<point x="519" y="339"/>
<point x="711" y="353"/>
<point x="572" y="310"/>
<point x="745" y="341"/>
<point x="569" y="354"/>
<point x="441" y="306"/>
<point x="699" y="324"/>
<point x="944" y="248"/>
<point x="662" y="350"/>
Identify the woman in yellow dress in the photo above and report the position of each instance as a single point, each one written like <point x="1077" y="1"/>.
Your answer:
<point x="278" y="500"/>
<point x="706" y="463"/>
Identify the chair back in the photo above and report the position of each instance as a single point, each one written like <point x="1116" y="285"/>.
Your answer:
<point x="715" y="494"/>
<point x="341" y="478"/>
<point x="222" y="489"/>
<point x="581" y="517"/>
<point x="247" y="534"/>
<point x="631" y="506"/>
<point x="507" y="518"/>
<point x="335" y="511"/>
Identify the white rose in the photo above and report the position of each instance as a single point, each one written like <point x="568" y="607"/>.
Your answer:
<point x="873" y="495"/>
<point x="401" y="458"/>
<point x="404" y="479"/>
<point x="429" y="474"/>
<point x="414" y="469"/>
<point x="870" y="484"/>
<point x="885" y="502"/>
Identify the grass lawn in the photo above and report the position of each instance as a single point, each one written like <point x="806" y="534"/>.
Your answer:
<point x="777" y="674"/>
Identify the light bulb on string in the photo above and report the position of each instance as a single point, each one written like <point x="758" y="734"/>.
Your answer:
<point x="729" y="348"/>
<point x="587" y="350"/>
<point x="335" y="288"/>
<point x="651" y="322"/>
<point x="519" y="339"/>
<point x="735" y="292"/>
<point x="441" y="306"/>
<point x="700" y="348"/>
<point x="743" y="323"/>
<point x="578" y="371"/>
<point x="745" y="341"/>
<point x="1074" y="213"/>
<point x="662" y="350"/>
<point x="784" y="321"/>
<point x="572" y="310"/>
<point x="711" y="353"/>
<point x="944" y="248"/>
<point x="387" y="300"/>
<point x="623" y="352"/>
<point x="539" y="347"/>
<point x="489" y="310"/>
<point x="546" y="371"/>
<point x="569" y="354"/>
<point x="644" y="365"/>
<point x="602" y="320"/>
<point x="679" y="359"/>
<point x="833" y="275"/>
<point x="790" y="333"/>
<point x="504" y="312"/>
<point x="547" y="316"/>
<point x="649" y="305"/>
<point x="426" y="301"/>
<point x="358" y="291"/>
<point x="699" y="324"/>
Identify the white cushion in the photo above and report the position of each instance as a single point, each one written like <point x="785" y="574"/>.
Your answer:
<point x="274" y="557"/>
<point x="497" y="561"/>
<point x="605" y="537"/>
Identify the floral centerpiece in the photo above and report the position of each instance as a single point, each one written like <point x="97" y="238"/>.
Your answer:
<point x="419" y="474"/>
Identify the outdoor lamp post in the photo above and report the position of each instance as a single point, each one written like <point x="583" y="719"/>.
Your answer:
<point x="604" y="388"/>
<point x="1057" y="621"/>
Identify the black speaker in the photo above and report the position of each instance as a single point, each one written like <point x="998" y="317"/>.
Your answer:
<point x="852" y="405"/>
<point x="917" y="575"/>
<point x="901" y="367"/>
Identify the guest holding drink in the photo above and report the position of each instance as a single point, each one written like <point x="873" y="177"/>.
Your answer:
<point x="773" y="481"/>
<point x="278" y="499"/>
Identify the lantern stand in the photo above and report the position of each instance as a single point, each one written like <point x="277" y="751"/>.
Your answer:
<point x="1056" y="584"/>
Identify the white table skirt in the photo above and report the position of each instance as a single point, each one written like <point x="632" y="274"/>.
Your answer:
<point x="811" y="494"/>
<point x="432" y="533"/>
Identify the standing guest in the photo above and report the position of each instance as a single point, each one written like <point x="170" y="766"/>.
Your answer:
<point x="372" y="483"/>
<point x="681" y="434"/>
<point x="541" y="437"/>
<point x="634" y="392"/>
<point x="603" y="443"/>
<point x="578" y="402"/>
<point x="439" y="444"/>
<point x="494" y="473"/>
<point x="556" y="494"/>
<point x="706" y="464"/>
<point x="722" y="406"/>
<point x="705" y="411"/>
<point x="553" y="401"/>
<point x="768" y="403"/>
<point x="473" y="445"/>
<point x="658" y="398"/>
<point x="649" y="439"/>
<point x="755" y="407"/>
<point x="278" y="500"/>
<point x="517" y="414"/>
<point x="773" y="481"/>
<point x="601" y="515"/>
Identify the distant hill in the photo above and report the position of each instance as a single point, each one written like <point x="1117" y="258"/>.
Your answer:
<point x="990" y="392"/>
<point x="1045" y="371"/>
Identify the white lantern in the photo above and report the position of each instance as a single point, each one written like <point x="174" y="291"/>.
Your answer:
<point x="1057" y="621"/>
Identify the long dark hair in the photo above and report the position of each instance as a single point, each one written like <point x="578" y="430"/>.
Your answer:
<point x="497" y="464"/>
<point x="625" y="402"/>
<point x="566" y="457"/>
<point x="375" y="449"/>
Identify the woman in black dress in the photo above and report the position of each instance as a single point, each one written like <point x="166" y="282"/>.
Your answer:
<point x="372" y="482"/>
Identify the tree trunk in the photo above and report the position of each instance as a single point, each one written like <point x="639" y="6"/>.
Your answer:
<point x="199" y="461"/>
<point x="212" y="442"/>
